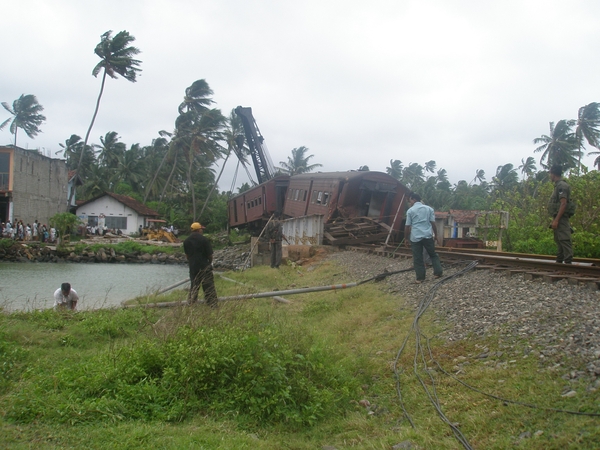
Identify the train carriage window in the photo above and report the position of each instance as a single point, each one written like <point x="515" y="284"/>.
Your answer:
<point x="304" y="197"/>
<point x="296" y="194"/>
<point x="319" y="197"/>
<point x="260" y="200"/>
<point x="314" y="197"/>
<point x="248" y="205"/>
<point x="326" y="198"/>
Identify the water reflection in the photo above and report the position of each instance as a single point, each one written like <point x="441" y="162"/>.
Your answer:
<point x="25" y="286"/>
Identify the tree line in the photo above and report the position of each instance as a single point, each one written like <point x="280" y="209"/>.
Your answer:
<point x="174" y="174"/>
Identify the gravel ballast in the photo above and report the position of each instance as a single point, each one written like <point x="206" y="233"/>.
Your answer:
<point x="557" y="323"/>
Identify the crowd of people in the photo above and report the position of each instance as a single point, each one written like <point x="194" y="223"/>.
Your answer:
<point x="19" y="231"/>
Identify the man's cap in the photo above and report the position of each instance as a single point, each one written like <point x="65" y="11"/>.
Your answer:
<point x="196" y="226"/>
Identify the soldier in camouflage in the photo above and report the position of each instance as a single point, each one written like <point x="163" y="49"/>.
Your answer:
<point x="561" y="208"/>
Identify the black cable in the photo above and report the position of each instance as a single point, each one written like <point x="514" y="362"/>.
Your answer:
<point x="421" y="308"/>
<point x="504" y="400"/>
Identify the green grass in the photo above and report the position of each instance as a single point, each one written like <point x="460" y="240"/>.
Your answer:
<point x="259" y="374"/>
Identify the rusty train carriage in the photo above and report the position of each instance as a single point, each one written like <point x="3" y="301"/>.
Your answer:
<point x="334" y="195"/>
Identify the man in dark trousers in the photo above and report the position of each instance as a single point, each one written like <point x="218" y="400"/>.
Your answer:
<point x="199" y="253"/>
<point x="275" y="235"/>
<point x="561" y="208"/>
<point x="419" y="233"/>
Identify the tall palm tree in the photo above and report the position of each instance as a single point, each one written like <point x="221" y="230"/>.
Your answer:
<point x="298" y="162"/>
<point x="395" y="169"/>
<point x="197" y="98"/>
<point x="560" y="147"/>
<point x="528" y="167"/>
<point x="588" y="128"/>
<point x="26" y="111"/>
<point x="116" y="58"/>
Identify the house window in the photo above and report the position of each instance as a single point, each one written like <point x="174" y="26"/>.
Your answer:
<point x="93" y="221"/>
<point x="4" y="171"/>
<point x="116" y="222"/>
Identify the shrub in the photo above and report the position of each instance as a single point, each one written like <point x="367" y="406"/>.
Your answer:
<point x="260" y="373"/>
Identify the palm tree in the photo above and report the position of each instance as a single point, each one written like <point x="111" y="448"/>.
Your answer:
<point x="298" y="162"/>
<point x="479" y="176"/>
<point x="528" y="167"/>
<point x="197" y="98"/>
<point x="430" y="166"/>
<point x="26" y="111"/>
<point x="560" y="147"/>
<point x="395" y="169"/>
<point x="588" y="124"/>
<point x="116" y="58"/>
<point x="506" y="176"/>
<point x="111" y="150"/>
<point x="413" y="175"/>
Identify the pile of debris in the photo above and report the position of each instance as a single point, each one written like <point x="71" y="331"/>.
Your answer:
<point x="357" y="230"/>
<point x="233" y="257"/>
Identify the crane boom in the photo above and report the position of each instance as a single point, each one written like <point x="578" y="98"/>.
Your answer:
<point x="258" y="151"/>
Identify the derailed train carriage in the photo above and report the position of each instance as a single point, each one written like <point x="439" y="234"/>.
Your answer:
<point x="357" y="206"/>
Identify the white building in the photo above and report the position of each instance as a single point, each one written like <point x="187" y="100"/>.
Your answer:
<point x="119" y="212"/>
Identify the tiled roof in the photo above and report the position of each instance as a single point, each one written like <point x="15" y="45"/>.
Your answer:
<point x="132" y="203"/>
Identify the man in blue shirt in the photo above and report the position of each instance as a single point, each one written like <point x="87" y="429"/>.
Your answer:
<point x="420" y="232"/>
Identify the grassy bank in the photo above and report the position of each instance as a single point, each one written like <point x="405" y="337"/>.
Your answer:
<point x="259" y="374"/>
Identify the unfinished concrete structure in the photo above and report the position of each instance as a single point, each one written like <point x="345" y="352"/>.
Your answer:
<point x="32" y="186"/>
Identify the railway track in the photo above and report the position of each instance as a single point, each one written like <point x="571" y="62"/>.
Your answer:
<point x="583" y="271"/>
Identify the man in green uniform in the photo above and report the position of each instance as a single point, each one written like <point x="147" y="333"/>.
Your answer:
<point x="561" y="208"/>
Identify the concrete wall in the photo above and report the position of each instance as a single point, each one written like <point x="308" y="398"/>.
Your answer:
<point x="39" y="186"/>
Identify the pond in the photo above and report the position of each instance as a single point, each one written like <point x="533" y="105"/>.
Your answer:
<point x="28" y="286"/>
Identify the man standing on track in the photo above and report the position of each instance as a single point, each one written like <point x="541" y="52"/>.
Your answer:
<point x="199" y="253"/>
<point x="420" y="232"/>
<point x="561" y="208"/>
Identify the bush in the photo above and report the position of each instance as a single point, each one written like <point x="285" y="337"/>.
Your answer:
<point x="259" y="373"/>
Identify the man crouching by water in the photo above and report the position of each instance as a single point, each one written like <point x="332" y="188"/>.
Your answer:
<point x="65" y="297"/>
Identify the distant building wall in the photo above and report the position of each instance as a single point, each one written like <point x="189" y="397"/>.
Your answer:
<point x="117" y="215"/>
<point x="39" y="185"/>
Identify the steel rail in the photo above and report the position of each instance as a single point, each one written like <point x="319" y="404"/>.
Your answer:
<point x="584" y="267"/>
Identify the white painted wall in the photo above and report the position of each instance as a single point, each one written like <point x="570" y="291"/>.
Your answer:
<point x="111" y="208"/>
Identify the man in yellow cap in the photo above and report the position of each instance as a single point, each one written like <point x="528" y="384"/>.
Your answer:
<point x="199" y="253"/>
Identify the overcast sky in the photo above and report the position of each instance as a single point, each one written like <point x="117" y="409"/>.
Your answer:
<point x="467" y="83"/>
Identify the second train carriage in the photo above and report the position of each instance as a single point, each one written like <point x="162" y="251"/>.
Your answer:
<point x="347" y="195"/>
<point x="332" y="194"/>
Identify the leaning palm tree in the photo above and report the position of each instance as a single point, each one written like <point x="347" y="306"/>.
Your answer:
<point x="116" y="58"/>
<point x="298" y="162"/>
<point x="26" y="111"/>
<point x="588" y="127"/>
<point x="560" y="147"/>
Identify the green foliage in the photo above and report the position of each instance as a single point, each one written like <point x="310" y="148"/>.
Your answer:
<point x="126" y="247"/>
<point x="259" y="372"/>
<point x="64" y="222"/>
<point x="528" y="230"/>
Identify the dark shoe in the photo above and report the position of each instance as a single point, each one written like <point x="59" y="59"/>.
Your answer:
<point x="558" y="262"/>
<point x="437" y="277"/>
<point x="568" y="262"/>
